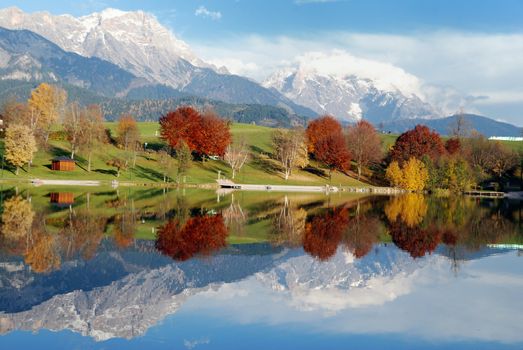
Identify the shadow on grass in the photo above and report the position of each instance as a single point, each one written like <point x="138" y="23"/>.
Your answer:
<point x="147" y="173"/>
<point x="106" y="172"/>
<point x="316" y="171"/>
<point x="264" y="164"/>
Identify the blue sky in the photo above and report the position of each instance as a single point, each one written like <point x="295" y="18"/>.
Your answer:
<point x="471" y="49"/>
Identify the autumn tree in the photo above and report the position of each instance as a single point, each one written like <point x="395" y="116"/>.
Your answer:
<point x="19" y="144"/>
<point x="15" y="112"/>
<point x="324" y="232"/>
<point x="46" y="104"/>
<point x="414" y="240"/>
<point x="289" y="224"/>
<point x="212" y="135"/>
<point x="200" y="235"/>
<point x="410" y="208"/>
<point x="394" y="174"/>
<point x="236" y="155"/>
<point x="93" y="131"/>
<point x="364" y="145"/>
<point x="43" y="254"/>
<point x="412" y="176"/>
<point x="489" y="157"/>
<point x="17" y="217"/>
<point x="290" y="149"/>
<point x="415" y="175"/>
<point x="453" y="146"/>
<point x="332" y="151"/>
<point x="320" y="128"/>
<point x="416" y="143"/>
<point x="180" y="125"/>
<point x="128" y="135"/>
<point x="361" y="234"/>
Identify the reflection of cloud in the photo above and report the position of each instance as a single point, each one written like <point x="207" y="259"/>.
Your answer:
<point x="342" y="282"/>
<point x="420" y="298"/>
<point x="191" y="344"/>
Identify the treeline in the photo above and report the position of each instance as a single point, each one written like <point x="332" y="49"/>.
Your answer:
<point x="150" y="103"/>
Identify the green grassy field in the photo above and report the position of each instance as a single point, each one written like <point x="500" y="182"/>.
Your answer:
<point x="261" y="169"/>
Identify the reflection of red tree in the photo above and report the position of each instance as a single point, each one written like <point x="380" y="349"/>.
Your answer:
<point x="200" y="235"/>
<point x="362" y="233"/>
<point x="414" y="240"/>
<point x="324" y="232"/>
<point x="449" y="237"/>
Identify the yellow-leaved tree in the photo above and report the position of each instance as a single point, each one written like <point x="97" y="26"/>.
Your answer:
<point x="46" y="103"/>
<point x="394" y="174"/>
<point x="20" y="145"/>
<point x="415" y="175"/>
<point x="412" y="176"/>
<point x="17" y="217"/>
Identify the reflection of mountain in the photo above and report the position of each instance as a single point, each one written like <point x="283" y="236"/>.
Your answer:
<point x="119" y="294"/>
<point x="123" y="293"/>
<point x="342" y="281"/>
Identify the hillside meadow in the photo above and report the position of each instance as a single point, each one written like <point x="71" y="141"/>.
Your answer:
<point x="261" y="169"/>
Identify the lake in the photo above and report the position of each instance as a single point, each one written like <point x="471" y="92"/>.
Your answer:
<point x="188" y="269"/>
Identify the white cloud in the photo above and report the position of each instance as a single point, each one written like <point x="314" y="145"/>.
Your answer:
<point x="202" y="11"/>
<point x="456" y="67"/>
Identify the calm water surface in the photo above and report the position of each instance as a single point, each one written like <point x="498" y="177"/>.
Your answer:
<point x="193" y="270"/>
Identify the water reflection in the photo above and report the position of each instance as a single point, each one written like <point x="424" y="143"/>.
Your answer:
<point x="114" y="264"/>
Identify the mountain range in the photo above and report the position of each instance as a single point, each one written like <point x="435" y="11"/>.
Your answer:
<point x="129" y="62"/>
<point x="136" y="42"/>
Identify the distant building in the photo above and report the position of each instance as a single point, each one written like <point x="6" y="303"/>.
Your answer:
<point x="63" y="164"/>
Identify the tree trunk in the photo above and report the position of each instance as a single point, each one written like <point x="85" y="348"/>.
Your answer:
<point x="233" y="173"/>
<point x="359" y="172"/>
<point x="89" y="162"/>
<point x="287" y="173"/>
<point x="72" y="153"/>
<point x="16" y="171"/>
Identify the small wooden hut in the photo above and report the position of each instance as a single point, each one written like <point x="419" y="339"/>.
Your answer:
<point x="63" y="164"/>
<point x="62" y="198"/>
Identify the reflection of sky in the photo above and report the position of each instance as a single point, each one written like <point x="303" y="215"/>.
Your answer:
<point x="482" y="303"/>
<point x="304" y="304"/>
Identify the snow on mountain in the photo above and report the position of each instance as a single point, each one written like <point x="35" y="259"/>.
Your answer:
<point x="135" y="41"/>
<point x="345" y="282"/>
<point x="352" y="88"/>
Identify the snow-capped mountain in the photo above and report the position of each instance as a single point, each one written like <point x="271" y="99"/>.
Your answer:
<point x="352" y="88"/>
<point x="27" y="56"/>
<point x="135" y="41"/>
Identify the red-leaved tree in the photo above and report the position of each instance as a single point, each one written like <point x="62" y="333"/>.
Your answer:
<point x="332" y="151"/>
<point x="326" y="142"/>
<point x="324" y="233"/>
<point x="453" y="146"/>
<point x="199" y="235"/>
<point x="417" y="143"/>
<point x="179" y="125"/>
<point x="320" y="128"/>
<point x="205" y="134"/>
<point x="212" y="136"/>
